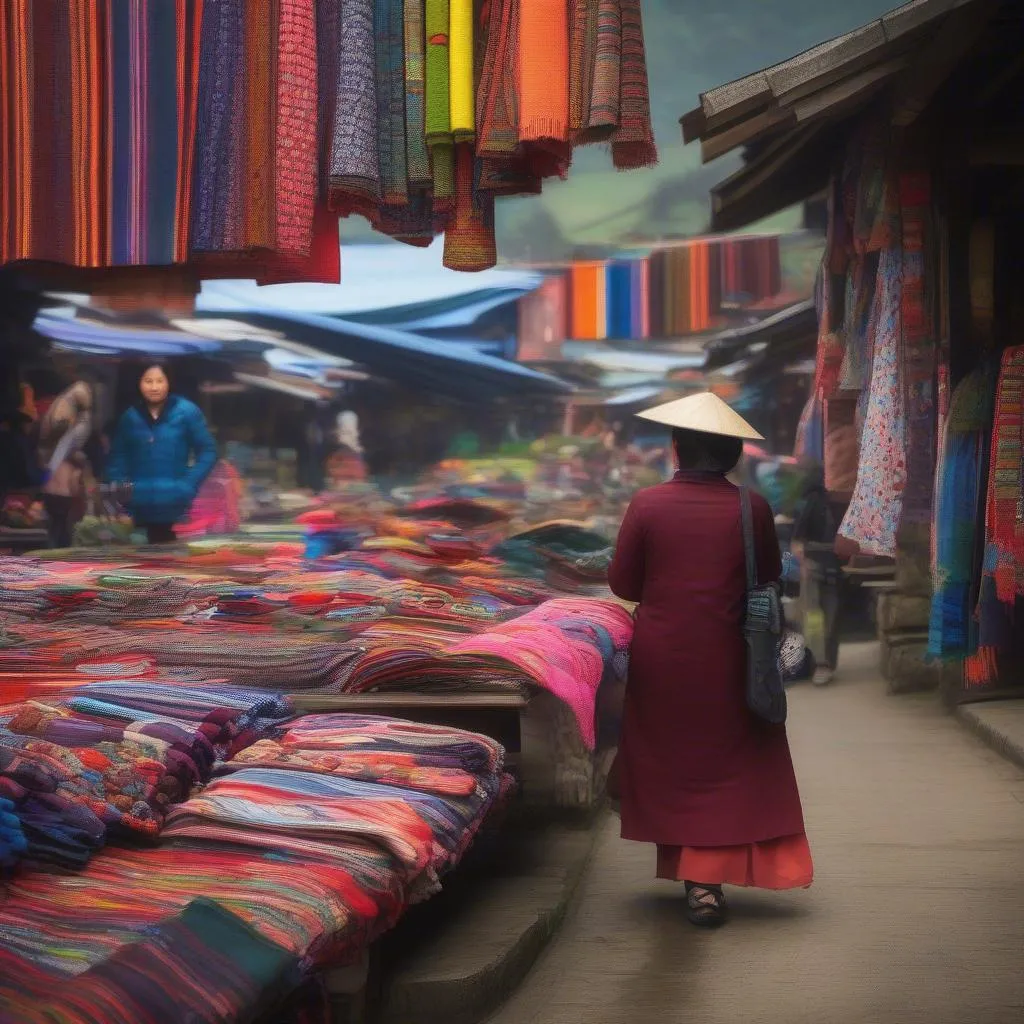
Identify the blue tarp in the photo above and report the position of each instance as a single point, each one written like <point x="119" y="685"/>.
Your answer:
<point x="446" y="368"/>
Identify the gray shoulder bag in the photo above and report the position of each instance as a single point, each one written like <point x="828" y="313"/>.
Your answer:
<point x="762" y="631"/>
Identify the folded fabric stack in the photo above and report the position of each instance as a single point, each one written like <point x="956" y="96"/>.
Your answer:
<point x="304" y="850"/>
<point x="13" y="843"/>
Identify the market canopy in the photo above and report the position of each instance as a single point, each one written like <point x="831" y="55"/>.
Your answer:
<point x="443" y="368"/>
<point x="791" y="117"/>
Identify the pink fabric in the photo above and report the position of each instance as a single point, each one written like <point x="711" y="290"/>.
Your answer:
<point x="555" y="646"/>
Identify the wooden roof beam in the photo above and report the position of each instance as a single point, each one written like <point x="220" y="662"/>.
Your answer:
<point x="962" y="29"/>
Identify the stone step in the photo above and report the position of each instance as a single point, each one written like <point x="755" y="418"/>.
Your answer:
<point x="456" y="959"/>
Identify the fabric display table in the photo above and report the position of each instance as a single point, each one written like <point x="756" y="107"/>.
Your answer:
<point x="178" y="839"/>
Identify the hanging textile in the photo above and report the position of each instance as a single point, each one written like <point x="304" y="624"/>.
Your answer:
<point x="959" y="502"/>
<point x="355" y="163"/>
<point x="875" y="511"/>
<point x="417" y="157"/>
<point x="583" y="17"/>
<point x="469" y="242"/>
<point x="461" y="83"/>
<point x="222" y="134"/>
<point x="920" y="348"/>
<point x="633" y="139"/>
<point x="543" y="71"/>
<point x="389" y="28"/>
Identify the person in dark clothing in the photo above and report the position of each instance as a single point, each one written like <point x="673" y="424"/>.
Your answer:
<point x="821" y="576"/>
<point x="161" y="454"/>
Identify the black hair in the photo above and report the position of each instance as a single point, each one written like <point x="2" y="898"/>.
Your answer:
<point x="708" y="452"/>
<point x="154" y="364"/>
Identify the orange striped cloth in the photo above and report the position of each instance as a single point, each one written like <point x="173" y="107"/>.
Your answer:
<point x="544" y="71"/>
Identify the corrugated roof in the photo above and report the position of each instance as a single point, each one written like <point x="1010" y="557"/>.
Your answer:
<point x="793" y="113"/>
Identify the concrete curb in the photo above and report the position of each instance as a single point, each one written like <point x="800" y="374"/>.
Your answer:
<point x="1000" y="724"/>
<point x="463" y="979"/>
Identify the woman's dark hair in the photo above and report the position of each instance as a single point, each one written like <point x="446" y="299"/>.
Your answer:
<point x="711" y="453"/>
<point x="153" y="364"/>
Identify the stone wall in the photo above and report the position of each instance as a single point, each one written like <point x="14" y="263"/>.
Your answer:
<point x="903" y="614"/>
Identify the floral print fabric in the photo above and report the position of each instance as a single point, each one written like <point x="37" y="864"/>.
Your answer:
<point x="873" y="518"/>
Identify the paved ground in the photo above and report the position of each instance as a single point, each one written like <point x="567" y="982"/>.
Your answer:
<point x="916" y="916"/>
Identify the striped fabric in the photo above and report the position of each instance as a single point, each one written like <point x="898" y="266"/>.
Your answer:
<point x="229" y="135"/>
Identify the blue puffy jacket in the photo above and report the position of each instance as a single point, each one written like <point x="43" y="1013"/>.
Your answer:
<point x="165" y="460"/>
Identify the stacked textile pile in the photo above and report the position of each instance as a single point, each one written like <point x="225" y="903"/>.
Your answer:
<point x="397" y="610"/>
<point x="231" y="136"/>
<point x="107" y="760"/>
<point x="305" y="849"/>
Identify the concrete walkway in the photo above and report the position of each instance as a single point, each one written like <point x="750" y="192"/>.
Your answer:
<point x="916" y="916"/>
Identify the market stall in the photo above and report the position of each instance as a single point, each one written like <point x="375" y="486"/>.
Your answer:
<point x="911" y="125"/>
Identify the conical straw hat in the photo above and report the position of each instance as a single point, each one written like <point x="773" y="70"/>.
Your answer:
<point x="706" y="413"/>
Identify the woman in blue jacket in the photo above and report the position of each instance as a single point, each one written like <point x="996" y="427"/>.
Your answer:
<point x="162" y="452"/>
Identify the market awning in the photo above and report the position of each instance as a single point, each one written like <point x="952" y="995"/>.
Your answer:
<point x="792" y="116"/>
<point x="445" y="368"/>
<point x="790" y="326"/>
<point x="93" y="337"/>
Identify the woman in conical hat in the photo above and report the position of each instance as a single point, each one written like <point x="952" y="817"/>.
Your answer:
<point x="698" y="774"/>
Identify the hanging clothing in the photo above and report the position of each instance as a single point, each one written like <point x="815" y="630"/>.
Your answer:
<point x="697" y="769"/>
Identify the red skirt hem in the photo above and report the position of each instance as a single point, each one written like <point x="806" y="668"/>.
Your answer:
<point x="777" y="864"/>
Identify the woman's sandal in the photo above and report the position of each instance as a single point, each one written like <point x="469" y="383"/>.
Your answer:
<point x="705" y="906"/>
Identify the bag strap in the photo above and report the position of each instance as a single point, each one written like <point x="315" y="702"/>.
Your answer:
<point x="750" y="555"/>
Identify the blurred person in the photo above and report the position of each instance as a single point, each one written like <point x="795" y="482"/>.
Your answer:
<point x="20" y="469"/>
<point x="821" y="572"/>
<point x="64" y="434"/>
<point x="161" y="453"/>
<point x="698" y="774"/>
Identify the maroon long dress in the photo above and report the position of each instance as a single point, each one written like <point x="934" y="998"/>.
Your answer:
<point x="698" y="771"/>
